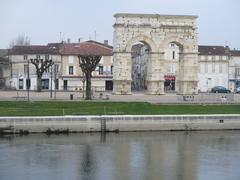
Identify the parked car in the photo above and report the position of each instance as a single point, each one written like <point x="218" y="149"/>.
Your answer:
<point x="220" y="89"/>
<point x="238" y="90"/>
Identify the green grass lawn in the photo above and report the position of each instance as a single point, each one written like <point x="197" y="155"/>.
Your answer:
<point x="109" y="108"/>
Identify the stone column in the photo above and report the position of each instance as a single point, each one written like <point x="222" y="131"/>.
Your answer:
<point x="122" y="76"/>
<point x="155" y="77"/>
<point x="188" y="73"/>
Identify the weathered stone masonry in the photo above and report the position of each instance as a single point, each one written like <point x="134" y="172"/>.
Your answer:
<point x="157" y="31"/>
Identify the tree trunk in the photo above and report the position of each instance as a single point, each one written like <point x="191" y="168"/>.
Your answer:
<point x="39" y="84"/>
<point x="88" y="85"/>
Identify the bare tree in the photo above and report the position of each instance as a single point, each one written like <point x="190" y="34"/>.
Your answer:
<point x="41" y="66"/>
<point x="88" y="64"/>
<point x="20" y="40"/>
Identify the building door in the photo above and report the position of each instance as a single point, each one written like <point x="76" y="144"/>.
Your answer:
<point x="209" y="84"/>
<point x="45" y="83"/>
<point x="65" y="84"/>
<point x="109" y="85"/>
<point x="20" y="86"/>
<point x="169" y="83"/>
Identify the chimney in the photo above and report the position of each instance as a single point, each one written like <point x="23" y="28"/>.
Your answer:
<point x="106" y="42"/>
<point x="227" y="49"/>
<point x="68" y="40"/>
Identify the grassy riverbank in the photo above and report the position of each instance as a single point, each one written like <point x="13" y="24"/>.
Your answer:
<point x="108" y="108"/>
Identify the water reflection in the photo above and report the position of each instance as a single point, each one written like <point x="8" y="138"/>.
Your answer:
<point x="140" y="156"/>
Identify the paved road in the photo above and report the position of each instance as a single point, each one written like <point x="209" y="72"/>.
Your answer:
<point x="138" y="96"/>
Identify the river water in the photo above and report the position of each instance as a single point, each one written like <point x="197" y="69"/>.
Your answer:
<point x="135" y="156"/>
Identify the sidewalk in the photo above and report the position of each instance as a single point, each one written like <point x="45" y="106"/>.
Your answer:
<point x="108" y="96"/>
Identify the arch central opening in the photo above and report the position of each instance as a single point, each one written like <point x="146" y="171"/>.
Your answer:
<point x="140" y="58"/>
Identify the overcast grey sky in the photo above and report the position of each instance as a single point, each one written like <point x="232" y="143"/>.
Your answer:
<point x="43" y="20"/>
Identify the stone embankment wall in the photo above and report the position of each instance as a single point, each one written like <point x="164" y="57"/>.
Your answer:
<point x="118" y="123"/>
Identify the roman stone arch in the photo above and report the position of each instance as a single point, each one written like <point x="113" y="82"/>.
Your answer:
<point x="157" y="31"/>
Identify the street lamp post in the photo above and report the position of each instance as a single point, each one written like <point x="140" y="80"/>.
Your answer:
<point x="83" y="81"/>
<point x="55" y="81"/>
<point x="51" y="82"/>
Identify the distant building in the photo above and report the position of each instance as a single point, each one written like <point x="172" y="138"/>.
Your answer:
<point x="72" y="76"/>
<point x="218" y="66"/>
<point x="20" y="57"/>
<point x="234" y="70"/>
<point x="213" y="67"/>
<point x="65" y="74"/>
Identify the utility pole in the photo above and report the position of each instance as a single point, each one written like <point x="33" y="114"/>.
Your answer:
<point x="95" y="35"/>
<point x="28" y="81"/>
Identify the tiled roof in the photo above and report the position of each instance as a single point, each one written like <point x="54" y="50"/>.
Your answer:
<point x="87" y="48"/>
<point x="32" y="49"/>
<point x="213" y="50"/>
<point x="84" y="48"/>
<point x="235" y="53"/>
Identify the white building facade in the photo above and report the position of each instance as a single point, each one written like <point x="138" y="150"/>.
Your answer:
<point x="213" y="67"/>
<point x="22" y="68"/>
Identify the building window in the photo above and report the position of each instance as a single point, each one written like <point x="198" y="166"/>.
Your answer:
<point x="25" y="57"/>
<point x="111" y="69"/>
<point x="217" y="68"/>
<point x="100" y="70"/>
<point x="237" y="71"/>
<point x="202" y="68"/>
<point x="70" y="59"/>
<point x="56" y="66"/>
<point x="65" y="84"/>
<point x="220" y="68"/>
<point x="224" y="68"/>
<point x="206" y="68"/>
<point x="48" y="70"/>
<point x="173" y="55"/>
<point x="209" y="68"/>
<point x="213" y="67"/>
<point x="70" y="70"/>
<point x="25" y="69"/>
